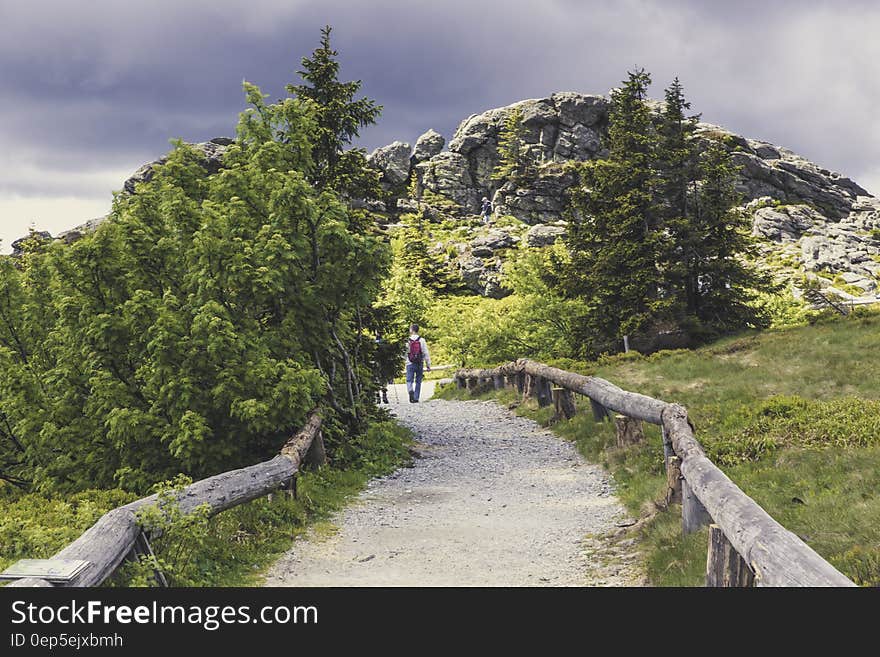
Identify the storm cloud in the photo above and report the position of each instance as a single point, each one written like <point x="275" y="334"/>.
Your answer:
<point x="91" y="90"/>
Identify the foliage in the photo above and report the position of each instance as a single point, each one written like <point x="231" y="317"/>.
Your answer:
<point x="194" y="330"/>
<point x="783" y="310"/>
<point x="228" y="549"/>
<point x="175" y="537"/>
<point x="338" y="120"/>
<point x="615" y="233"/>
<point x="35" y="526"/>
<point x="514" y="163"/>
<point x="535" y="321"/>
<point x="412" y="253"/>
<point x="655" y="241"/>
<point x="722" y="284"/>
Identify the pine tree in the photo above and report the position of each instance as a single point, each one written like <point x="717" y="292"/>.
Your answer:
<point x="340" y="118"/>
<point x="677" y="170"/>
<point x="414" y="256"/>
<point x="514" y="163"/>
<point x="723" y="281"/>
<point x="615" y="233"/>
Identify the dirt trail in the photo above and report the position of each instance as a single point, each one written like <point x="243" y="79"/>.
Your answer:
<point x="494" y="500"/>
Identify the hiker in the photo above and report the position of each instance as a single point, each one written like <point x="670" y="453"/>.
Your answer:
<point x="417" y="356"/>
<point x="486" y="210"/>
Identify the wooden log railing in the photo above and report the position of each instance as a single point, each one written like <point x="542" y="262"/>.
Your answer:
<point x="114" y="536"/>
<point x="772" y="555"/>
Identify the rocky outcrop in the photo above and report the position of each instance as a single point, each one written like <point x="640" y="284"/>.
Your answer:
<point x="482" y="275"/>
<point x="427" y="146"/>
<point x="543" y="235"/>
<point x="564" y="126"/>
<point x="780" y="174"/>
<point x="846" y="251"/>
<point x="813" y="219"/>
<point x="486" y="245"/>
<point x="72" y="235"/>
<point x="393" y="161"/>
<point x="542" y="199"/>
<point x="211" y="158"/>
<point x="783" y="223"/>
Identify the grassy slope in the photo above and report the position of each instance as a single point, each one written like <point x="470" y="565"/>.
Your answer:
<point x="792" y="416"/>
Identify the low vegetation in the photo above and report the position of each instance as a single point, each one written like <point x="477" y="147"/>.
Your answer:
<point x="230" y="549"/>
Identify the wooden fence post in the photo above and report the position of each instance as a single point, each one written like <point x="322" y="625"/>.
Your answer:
<point x="543" y="392"/>
<point x="528" y="387"/>
<point x="599" y="411"/>
<point x="317" y="455"/>
<point x="724" y="565"/>
<point x="629" y="430"/>
<point x="673" y="480"/>
<point x="693" y="513"/>
<point x="563" y="402"/>
<point x="667" y="444"/>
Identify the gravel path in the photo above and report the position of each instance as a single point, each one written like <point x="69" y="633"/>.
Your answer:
<point x="493" y="500"/>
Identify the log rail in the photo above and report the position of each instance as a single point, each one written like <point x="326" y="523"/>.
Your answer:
<point x="768" y="554"/>
<point x="116" y="535"/>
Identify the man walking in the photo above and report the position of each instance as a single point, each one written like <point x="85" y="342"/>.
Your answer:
<point x="485" y="210"/>
<point x="417" y="357"/>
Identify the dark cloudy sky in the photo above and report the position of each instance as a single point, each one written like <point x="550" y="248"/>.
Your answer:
<point x="91" y="89"/>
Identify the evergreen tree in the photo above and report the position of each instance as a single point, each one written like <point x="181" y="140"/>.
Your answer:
<point x="514" y="163"/>
<point x="194" y="330"/>
<point x="677" y="170"/>
<point x="414" y="256"/>
<point x="339" y="119"/>
<point x="615" y="232"/>
<point x="723" y="282"/>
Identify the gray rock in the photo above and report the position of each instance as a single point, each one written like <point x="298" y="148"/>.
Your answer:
<point x="482" y="276"/>
<point x="427" y="146"/>
<point x="495" y="240"/>
<point x="776" y="172"/>
<point x="211" y="158"/>
<point x="393" y="161"/>
<point x="543" y="235"/>
<point x="448" y="174"/>
<point x="786" y="223"/>
<point x="72" y="235"/>
<point x="540" y="200"/>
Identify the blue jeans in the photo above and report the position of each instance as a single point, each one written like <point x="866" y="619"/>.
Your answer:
<point x="414" y="371"/>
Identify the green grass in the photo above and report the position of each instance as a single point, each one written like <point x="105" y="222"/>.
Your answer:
<point x="234" y="547"/>
<point x="792" y="416"/>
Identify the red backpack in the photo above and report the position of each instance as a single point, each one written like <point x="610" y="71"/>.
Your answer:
<point x="415" y="354"/>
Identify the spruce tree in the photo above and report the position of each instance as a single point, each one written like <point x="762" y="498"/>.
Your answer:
<point x="723" y="281"/>
<point x="677" y="171"/>
<point x="339" y="117"/>
<point x="514" y="163"/>
<point x="615" y="233"/>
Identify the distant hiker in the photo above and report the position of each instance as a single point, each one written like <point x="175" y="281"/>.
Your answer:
<point x="486" y="210"/>
<point x="417" y="357"/>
